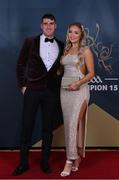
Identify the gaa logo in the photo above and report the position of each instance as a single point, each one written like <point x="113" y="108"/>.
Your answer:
<point x="97" y="84"/>
<point x="96" y="79"/>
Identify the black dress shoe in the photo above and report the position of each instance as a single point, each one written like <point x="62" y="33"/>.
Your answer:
<point x="45" y="167"/>
<point x="20" y="169"/>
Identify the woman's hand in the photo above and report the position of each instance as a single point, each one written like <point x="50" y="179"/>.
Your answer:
<point x="75" y="86"/>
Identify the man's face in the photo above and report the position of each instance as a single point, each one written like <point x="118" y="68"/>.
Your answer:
<point x="48" y="27"/>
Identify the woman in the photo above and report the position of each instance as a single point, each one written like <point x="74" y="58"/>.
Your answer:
<point x="78" y="70"/>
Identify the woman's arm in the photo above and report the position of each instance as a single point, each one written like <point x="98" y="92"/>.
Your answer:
<point x="89" y="65"/>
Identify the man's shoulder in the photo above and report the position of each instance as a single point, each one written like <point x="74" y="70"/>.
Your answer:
<point x="61" y="43"/>
<point x="32" y="38"/>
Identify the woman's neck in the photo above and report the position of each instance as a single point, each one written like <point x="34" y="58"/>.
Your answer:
<point x="74" y="49"/>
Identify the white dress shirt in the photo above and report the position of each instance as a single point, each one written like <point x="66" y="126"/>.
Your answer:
<point x="48" y="52"/>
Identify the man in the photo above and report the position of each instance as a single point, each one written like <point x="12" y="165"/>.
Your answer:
<point x="39" y="82"/>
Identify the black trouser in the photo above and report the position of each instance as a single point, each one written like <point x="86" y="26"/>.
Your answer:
<point x="47" y="101"/>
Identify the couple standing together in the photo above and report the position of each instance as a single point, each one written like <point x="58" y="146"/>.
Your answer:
<point x="43" y="84"/>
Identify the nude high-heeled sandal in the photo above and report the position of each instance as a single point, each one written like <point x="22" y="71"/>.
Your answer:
<point x="64" y="172"/>
<point x="76" y="167"/>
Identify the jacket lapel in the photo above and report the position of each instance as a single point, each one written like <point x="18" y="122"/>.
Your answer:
<point x="59" y="54"/>
<point x="36" y="50"/>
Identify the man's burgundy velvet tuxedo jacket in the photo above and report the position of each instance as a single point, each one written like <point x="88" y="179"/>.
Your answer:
<point x="31" y="71"/>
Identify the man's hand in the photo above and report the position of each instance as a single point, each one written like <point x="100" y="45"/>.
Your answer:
<point x="23" y="90"/>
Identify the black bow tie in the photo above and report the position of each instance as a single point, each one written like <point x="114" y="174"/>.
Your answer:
<point x="49" y="40"/>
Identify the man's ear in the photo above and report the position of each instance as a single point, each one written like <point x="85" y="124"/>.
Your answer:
<point x="55" y="26"/>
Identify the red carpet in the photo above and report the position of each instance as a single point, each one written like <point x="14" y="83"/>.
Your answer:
<point x="96" y="165"/>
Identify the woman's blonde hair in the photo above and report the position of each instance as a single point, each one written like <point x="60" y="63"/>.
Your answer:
<point x="82" y="42"/>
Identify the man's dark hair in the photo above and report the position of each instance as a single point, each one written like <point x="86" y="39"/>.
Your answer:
<point x="48" y="16"/>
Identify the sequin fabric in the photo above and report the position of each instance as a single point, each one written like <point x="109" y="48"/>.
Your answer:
<point x="71" y="102"/>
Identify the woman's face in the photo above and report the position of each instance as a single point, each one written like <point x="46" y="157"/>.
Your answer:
<point x="74" y="34"/>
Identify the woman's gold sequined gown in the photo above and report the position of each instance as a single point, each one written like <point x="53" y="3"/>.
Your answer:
<point x="71" y="102"/>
